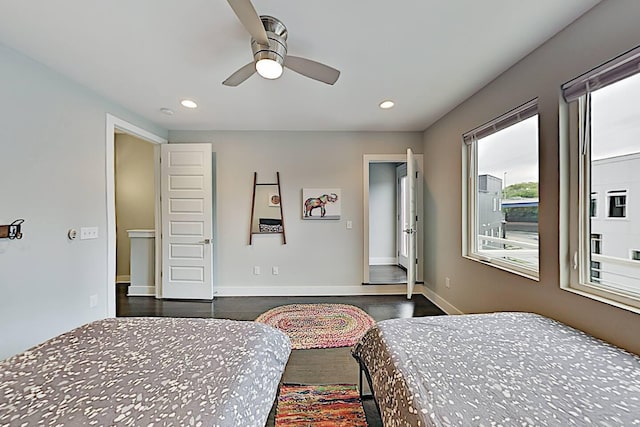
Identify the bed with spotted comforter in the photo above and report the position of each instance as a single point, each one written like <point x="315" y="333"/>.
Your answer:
<point x="500" y="369"/>
<point x="147" y="371"/>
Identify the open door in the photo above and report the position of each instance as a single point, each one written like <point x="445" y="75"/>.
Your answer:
<point x="187" y="221"/>
<point x="411" y="228"/>
<point x="402" y="244"/>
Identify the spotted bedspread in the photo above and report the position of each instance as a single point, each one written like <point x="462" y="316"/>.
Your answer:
<point x="147" y="371"/>
<point x="501" y="369"/>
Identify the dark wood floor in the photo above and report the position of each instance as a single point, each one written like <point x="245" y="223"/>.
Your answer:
<point x="387" y="274"/>
<point x="318" y="366"/>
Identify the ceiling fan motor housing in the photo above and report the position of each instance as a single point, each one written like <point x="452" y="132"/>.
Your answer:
<point x="277" y="35"/>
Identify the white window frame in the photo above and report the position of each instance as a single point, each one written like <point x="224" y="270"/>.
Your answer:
<point x="611" y="195"/>
<point x="470" y="233"/>
<point x="575" y="182"/>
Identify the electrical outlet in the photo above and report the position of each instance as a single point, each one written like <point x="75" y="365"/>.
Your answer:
<point x="275" y="271"/>
<point x="88" y="233"/>
<point x="447" y="282"/>
<point x="256" y="270"/>
<point x="349" y="225"/>
<point x="93" y="301"/>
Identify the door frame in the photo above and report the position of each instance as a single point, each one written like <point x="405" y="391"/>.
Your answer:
<point x="390" y="158"/>
<point x="115" y="123"/>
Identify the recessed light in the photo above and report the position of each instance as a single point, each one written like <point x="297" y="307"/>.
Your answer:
<point x="167" y="111"/>
<point x="385" y="105"/>
<point x="189" y="103"/>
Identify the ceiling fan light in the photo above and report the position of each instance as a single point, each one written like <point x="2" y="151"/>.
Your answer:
<point x="269" y="69"/>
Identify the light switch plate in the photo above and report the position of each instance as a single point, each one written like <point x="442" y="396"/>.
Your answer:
<point x="88" y="233"/>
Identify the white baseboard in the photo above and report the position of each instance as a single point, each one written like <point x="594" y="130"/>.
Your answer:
<point x="305" y="290"/>
<point x="383" y="261"/>
<point x="125" y="278"/>
<point x="440" y="302"/>
<point x="141" y="291"/>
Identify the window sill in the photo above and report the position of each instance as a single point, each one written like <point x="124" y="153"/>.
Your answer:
<point x="600" y="298"/>
<point x="504" y="267"/>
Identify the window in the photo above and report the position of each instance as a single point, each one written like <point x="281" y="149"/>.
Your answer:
<point x="601" y="155"/>
<point x="593" y="209"/>
<point x="596" y="243"/>
<point x="595" y="271"/>
<point x="617" y="204"/>
<point x="501" y="194"/>
<point x="596" y="248"/>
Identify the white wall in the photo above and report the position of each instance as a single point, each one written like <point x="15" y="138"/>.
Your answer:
<point x="606" y="31"/>
<point x="135" y="193"/>
<point x="382" y="213"/>
<point x="52" y="146"/>
<point x="320" y="257"/>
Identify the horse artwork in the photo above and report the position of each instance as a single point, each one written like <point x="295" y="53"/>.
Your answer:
<point x="327" y="201"/>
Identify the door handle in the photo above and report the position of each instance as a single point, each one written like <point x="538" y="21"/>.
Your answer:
<point x="409" y="230"/>
<point x="206" y="241"/>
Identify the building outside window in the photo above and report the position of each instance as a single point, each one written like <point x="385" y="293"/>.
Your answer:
<point x="604" y="149"/>
<point x="501" y="213"/>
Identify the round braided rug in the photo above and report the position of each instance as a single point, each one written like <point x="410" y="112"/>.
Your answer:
<point x="319" y="325"/>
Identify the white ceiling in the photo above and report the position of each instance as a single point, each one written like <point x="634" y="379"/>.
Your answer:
<point x="427" y="55"/>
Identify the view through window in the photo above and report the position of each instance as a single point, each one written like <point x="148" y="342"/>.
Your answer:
<point x="614" y="177"/>
<point x="501" y="190"/>
<point x="507" y="167"/>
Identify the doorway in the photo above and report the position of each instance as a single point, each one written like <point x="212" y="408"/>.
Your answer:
<point x="115" y="124"/>
<point x="135" y="214"/>
<point x="387" y="249"/>
<point x="385" y="244"/>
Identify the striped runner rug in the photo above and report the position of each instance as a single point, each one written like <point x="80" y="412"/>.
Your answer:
<point x="334" y="405"/>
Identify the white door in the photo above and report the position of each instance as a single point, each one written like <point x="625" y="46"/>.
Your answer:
<point x="411" y="229"/>
<point x="403" y="216"/>
<point x="187" y="221"/>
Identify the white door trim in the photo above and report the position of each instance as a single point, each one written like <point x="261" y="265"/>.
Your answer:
<point x="386" y="158"/>
<point x="114" y="123"/>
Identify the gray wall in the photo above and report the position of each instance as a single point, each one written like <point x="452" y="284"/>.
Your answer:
<point x="52" y="142"/>
<point x="382" y="213"/>
<point x="608" y="30"/>
<point x="135" y="194"/>
<point x="320" y="257"/>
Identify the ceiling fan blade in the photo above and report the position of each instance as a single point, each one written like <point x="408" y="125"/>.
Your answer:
<point x="248" y="16"/>
<point x="312" y="69"/>
<point x="241" y="75"/>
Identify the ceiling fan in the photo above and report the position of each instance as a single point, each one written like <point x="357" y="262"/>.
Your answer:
<point x="269" y="46"/>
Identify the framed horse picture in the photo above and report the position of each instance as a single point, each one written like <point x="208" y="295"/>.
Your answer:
<point x="321" y="203"/>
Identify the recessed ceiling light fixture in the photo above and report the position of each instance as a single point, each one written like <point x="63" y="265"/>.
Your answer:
<point x="385" y="105"/>
<point x="189" y="103"/>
